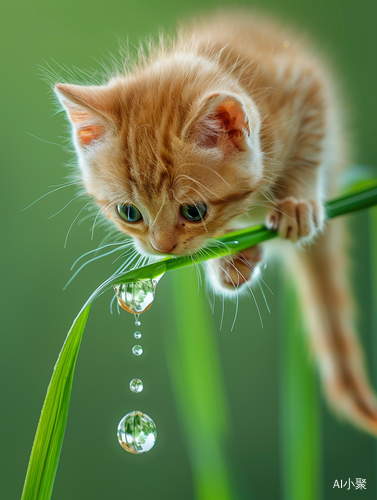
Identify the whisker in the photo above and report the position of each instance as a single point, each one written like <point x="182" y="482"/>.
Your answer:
<point x="49" y="142"/>
<point x="95" y="250"/>
<point x="112" y="303"/>
<point x="236" y="311"/>
<point x="264" y="296"/>
<point x="197" y="182"/>
<point x="65" y="206"/>
<point x="88" y="262"/>
<point x="204" y="166"/>
<point x="247" y="284"/>
<point x="50" y="192"/>
<point x="251" y="291"/>
<point x="74" y="220"/>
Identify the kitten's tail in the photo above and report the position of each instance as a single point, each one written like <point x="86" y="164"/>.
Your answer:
<point x="321" y="272"/>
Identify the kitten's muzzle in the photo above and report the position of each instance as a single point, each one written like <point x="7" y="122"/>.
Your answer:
<point x="163" y="247"/>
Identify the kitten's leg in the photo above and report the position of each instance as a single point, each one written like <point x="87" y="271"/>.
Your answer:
<point x="299" y="192"/>
<point x="232" y="271"/>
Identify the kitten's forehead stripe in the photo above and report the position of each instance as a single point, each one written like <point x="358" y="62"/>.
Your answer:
<point x="164" y="176"/>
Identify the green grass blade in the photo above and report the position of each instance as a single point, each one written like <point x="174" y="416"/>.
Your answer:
<point x="50" y="432"/>
<point x="299" y="407"/>
<point x="195" y="371"/>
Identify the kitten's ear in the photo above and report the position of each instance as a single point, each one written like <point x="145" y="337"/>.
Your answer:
<point x="90" y="110"/>
<point x="222" y="122"/>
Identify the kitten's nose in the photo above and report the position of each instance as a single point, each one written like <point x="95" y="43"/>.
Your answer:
<point x="163" y="246"/>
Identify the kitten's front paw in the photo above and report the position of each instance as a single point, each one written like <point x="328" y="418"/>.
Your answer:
<point x="296" y="219"/>
<point x="232" y="271"/>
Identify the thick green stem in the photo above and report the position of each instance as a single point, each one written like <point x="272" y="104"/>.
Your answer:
<point x="299" y="407"/>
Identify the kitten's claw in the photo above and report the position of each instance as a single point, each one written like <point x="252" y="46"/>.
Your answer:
<point x="296" y="219"/>
<point x="232" y="271"/>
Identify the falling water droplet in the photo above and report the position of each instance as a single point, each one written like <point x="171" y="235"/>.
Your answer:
<point x="137" y="335"/>
<point x="265" y="265"/>
<point x="136" y="385"/>
<point x="137" y="350"/>
<point x="137" y="297"/>
<point x="137" y="432"/>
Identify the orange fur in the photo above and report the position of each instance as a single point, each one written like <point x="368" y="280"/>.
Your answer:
<point x="240" y="115"/>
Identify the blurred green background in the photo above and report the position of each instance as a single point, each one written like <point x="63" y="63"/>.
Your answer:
<point x="250" y="363"/>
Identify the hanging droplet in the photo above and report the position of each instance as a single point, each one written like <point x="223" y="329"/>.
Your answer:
<point x="137" y="432"/>
<point x="136" y="385"/>
<point x="137" y="297"/>
<point x="137" y="335"/>
<point x="137" y="320"/>
<point x="137" y="350"/>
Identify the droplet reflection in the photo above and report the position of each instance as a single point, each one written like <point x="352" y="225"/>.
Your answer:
<point x="137" y="432"/>
<point x="137" y="350"/>
<point x="136" y="385"/>
<point x="137" y="297"/>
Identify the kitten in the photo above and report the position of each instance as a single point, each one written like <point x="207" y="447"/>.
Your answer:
<point x="236" y="122"/>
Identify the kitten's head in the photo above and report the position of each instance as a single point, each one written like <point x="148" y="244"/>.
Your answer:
<point x="171" y="152"/>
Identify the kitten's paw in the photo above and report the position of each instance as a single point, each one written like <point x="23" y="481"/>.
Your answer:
<point x="232" y="271"/>
<point x="296" y="219"/>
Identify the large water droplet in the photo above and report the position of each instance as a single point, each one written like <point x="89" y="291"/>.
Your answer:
<point x="137" y="297"/>
<point x="137" y="335"/>
<point x="137" y="432"/>
<point x="137" y="350"/>
<point x="136" y="385"/>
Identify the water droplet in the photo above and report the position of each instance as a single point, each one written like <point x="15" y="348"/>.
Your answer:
<point x="137" y="350"/>
<point x="137" y="297"/>
<point x="136" y="385"/>
<point x="137" y="320"/>
<point x="137" y="432"/>
<point x="137" y="335"/>
<point x="265" y="265"/>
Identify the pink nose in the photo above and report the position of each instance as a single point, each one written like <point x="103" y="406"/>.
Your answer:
<point x="163" y="247"/>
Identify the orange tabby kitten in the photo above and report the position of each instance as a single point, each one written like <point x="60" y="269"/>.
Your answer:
<point x="236" y="122"/>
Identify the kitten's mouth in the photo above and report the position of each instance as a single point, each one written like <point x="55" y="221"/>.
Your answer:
<point x="174" y="253"/>
<point x="146" y="248"/>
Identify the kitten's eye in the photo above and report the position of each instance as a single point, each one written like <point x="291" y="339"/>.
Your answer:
<point x="129" y="212"/>
<point x="194" y="213"/>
